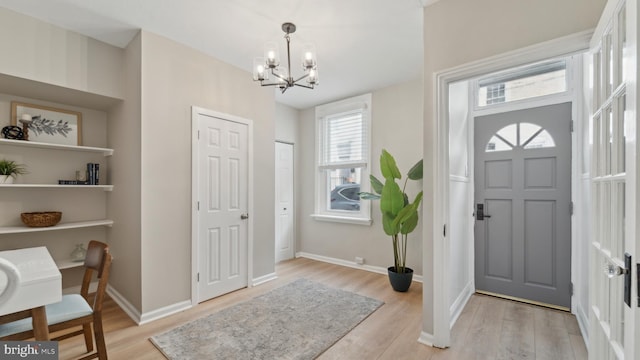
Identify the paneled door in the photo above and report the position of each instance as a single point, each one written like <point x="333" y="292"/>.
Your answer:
<point x="613" y="286"/>
<point x="223" y="205"/>
<point x="523" y="204"/>
<point x="284" y="201"/>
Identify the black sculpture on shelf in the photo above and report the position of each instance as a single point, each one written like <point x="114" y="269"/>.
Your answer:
<point x="12" y="132"/>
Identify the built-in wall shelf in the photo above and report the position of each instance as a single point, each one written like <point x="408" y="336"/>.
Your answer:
<point x="34" y="144"/>
<point x="55" y="186"/>
<point x="60" y="226"/>
<point x="68" y="264"/>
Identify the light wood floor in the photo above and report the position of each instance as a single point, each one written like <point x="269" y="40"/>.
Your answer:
<point x="488" y="328"/>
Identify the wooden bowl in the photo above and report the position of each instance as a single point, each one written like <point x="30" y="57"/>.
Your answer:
<point x="41" y="219"/>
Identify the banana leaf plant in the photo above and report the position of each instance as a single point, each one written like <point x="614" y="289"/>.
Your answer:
<point x="399" y="216"/>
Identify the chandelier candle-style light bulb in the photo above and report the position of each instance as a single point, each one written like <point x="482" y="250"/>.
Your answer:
<point x="259" y="71"/>
<point x="312" y="79"/>
<point x="271" y="55"/>
<point x="308" y="57"/>
<point x="283" y="78"/>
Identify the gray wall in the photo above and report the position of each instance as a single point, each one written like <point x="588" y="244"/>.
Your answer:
<point x="144" y="95"/>
<point x="396" y="126"/>
<point x="35" y="50"/>
<point x="124" y="205"/>
<point x="175" y="77"/>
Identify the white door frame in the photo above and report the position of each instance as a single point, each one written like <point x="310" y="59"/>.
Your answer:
<point x="195" y="171"/>
<point x="563" y="46"/>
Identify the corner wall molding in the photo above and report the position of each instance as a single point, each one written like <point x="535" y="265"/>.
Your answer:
<point x="263" y="279"/>
<point x="125" y="305"/>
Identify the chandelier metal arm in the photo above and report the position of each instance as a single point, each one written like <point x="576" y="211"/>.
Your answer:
<point x="301" y="77"/>
<point x="305" y="86"/>
<point x="286" y="81"/>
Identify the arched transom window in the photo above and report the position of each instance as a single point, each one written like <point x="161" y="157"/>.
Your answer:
<point x="525" y="135"/>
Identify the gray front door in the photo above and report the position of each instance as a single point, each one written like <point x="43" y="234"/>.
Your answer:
<point x="523" y="182"/>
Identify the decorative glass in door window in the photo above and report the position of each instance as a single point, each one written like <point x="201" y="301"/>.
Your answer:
<point x="525" y="135"/>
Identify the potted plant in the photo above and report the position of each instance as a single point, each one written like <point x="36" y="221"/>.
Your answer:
<point x="9" y="169"/>
<point x="399" y="216"/>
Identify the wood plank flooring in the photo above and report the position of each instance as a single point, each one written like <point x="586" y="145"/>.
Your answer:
<point x="488" y="328"/>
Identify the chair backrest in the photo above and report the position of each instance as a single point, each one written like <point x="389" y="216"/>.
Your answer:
<point x="97" y="259"/>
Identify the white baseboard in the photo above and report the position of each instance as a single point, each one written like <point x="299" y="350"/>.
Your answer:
<point x="125" y="305"/>
<point x="143" y="318"/>
<point x="583" y="324"/>
<point x="263" y="279"/>
<point x="351" y="264"/>
<point x="164" y="312"/>
<point x="426" y="338"/>
<point x="458" y="305"/>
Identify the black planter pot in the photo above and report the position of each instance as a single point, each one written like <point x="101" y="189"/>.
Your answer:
<point x="400" y="282"/>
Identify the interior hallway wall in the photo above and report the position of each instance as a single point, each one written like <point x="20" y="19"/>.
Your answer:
<point x="396" y="126"/>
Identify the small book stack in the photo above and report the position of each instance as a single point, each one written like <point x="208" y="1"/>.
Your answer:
<point x="93" y="171"/>
<point x="92" y="177"/>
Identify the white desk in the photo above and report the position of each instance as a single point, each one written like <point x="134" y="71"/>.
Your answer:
<point x="40" y="285"/>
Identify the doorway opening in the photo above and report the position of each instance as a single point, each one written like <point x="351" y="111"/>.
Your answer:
<point x="515" y="100"/>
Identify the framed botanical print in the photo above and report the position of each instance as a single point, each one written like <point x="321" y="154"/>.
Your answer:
<point x="47" y="124"/>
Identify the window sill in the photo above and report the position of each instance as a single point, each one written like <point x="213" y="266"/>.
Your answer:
<point x="342" y="219"/>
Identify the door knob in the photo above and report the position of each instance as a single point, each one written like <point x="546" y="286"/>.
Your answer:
<point x="244" y="216"/>
<point x="612" y="270"/>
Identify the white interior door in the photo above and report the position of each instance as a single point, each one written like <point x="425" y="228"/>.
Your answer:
<point x="222" y="206"/>
<point x="284" y="201"/>
<point x="613" y="296"/>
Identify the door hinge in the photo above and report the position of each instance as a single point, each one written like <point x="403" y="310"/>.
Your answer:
<point x="198" y="205"/>
<point x="571" y="288"/>
<point x="571" y="126"/>
<point x="198" y="277"/>
<point x="444" y="231"/>
<point x="571" y="208"/>
<point x="198" y="134"/>
<point x="638" y="282"/>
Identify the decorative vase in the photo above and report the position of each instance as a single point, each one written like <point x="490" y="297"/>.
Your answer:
<point x="400" y="282"/>
<point x="6" y="179"/>
<point x="78" y="254"/>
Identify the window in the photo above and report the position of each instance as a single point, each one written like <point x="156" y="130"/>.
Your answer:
<point x="342" y="165"/>
<point x="523" y="83"/>
<point x="525" y="135"/>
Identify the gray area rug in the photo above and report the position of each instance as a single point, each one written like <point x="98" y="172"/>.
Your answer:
<point x="296" y="321"/>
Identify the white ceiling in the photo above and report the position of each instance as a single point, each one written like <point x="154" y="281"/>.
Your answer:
<point x="362" y="45"/>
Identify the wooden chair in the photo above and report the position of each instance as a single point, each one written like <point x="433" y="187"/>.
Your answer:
<point x="75" y="309"/>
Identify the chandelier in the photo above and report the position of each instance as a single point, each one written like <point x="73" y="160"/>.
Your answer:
<point x="282" y="77"/>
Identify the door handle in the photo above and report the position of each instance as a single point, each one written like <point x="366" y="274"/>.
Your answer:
<point x="480" y="215"/>
<point x="613" y="270"/>
<point x="244" y="216"/>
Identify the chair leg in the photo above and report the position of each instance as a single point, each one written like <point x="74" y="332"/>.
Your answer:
<point x="100" y="343"/>
<point x="88" y="337"/>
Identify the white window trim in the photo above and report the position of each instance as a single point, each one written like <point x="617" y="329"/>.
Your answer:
<point x="363" y="217"/>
